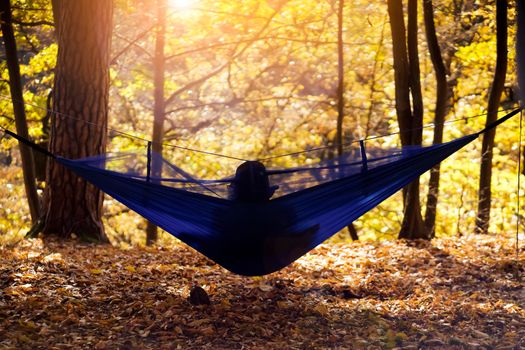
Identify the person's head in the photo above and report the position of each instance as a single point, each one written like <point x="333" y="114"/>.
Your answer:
<point x="251" y="183"/>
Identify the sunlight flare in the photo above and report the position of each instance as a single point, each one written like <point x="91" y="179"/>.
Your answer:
<point x="182" y="5"/>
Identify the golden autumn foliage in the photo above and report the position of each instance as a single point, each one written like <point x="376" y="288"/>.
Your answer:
<point x="255" y="79"/>
<point x="258" y="78"/>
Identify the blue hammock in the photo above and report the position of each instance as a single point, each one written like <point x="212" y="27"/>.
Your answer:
<point x="260" y="237"/>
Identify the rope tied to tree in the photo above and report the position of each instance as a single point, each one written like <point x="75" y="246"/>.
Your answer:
<point x="122" y="133"/>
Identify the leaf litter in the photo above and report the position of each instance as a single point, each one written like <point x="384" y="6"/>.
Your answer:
<point x="453" y="293"/>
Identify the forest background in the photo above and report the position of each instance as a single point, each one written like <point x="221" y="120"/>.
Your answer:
<point x="260" y="78"/>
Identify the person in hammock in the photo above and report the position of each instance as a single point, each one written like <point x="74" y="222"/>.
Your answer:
<point x="254" y="230"/>
<point x="251" y="223"/>
<point x="251" y="183"/>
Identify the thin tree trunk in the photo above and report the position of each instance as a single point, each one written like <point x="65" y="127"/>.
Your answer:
<point x="413" y="225"/>
<point x="441" y="110"/>
<point x="81" y="90"/>
<point x="340" y="83"/>
<point x="159" y="61"/>
<point x="416" y="132"/>
<point x="17" y="96"/>
<point x="446" y="84"/>
<point x="484" y="200"/>
<point x="374" y="78"/>
<point x="407" y="81"/>
<point x="341" y="96"/>
<point x="520" y="53"/>
<point x="520" y="61"/>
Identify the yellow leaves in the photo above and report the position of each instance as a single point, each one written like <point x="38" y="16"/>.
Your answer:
<point x="162" y="268"/>
<point x="54" y="257"/>
<point x="390" y="339"/>
<point x="99" y="271"/>
<point x="130" y="268"/>
<point x="33" y="254"/>
<point x="44" y="61"/>
<point x="510" y="334"/>
<point x="28" y="325"/>
<point x="393" y="338"/>
<point x="21" y="289"/>
<point x="321" y="309"/>
<point x="400" y="336"/>
<point x="481" y="53"/>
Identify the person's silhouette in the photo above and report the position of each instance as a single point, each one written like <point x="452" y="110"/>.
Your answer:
<point x="251" y="183"/>
<point x="255" y="228"/>
<point x="253" y="231"/>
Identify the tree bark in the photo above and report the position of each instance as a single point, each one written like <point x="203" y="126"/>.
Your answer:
<point x="440" y="111"/>
<point x="401" y="72"/>
<point x="409" y="117"/>
<point x="17" y="98"/>
<point x="340" y="82"/>
<point x="80" y="104"/>
<point x="484" y="199"/>
<point x="159" y="109"/>
<point x="341" y="97"/>
<point x="416" y="132"/>
<point x="520" y="53"/>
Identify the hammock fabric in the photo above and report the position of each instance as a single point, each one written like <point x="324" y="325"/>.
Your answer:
<point x="260" y="237"/>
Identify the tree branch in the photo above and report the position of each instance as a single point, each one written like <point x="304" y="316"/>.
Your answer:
<point x="33" y="24"/>
<point x="131" y="43"/>
<point x="222" y="67"/>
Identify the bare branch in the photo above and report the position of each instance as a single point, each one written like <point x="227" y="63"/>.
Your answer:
<point x="33" y="24"/>
<point x="131" y="43"/>
<point x="222" y="67"/>
<point x="252" y="40"/>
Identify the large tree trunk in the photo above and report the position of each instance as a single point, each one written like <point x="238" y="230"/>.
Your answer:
<point x="78" y="129"/>
<point x="407" y="81"/>
<point x="401" y="70"/>
<point x="15" y="86"/>
<point x="159" y="111"/>
<point x="440" y="111"/>
<point x="483" y="217"/>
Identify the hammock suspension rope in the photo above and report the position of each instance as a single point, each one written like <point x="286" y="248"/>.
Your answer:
<point x="332" y="145"/>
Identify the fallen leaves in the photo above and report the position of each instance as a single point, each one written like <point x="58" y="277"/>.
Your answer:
<point x="448" y="294"/>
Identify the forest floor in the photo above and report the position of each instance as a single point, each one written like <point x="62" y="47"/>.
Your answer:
<point x="456" y="293"/>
